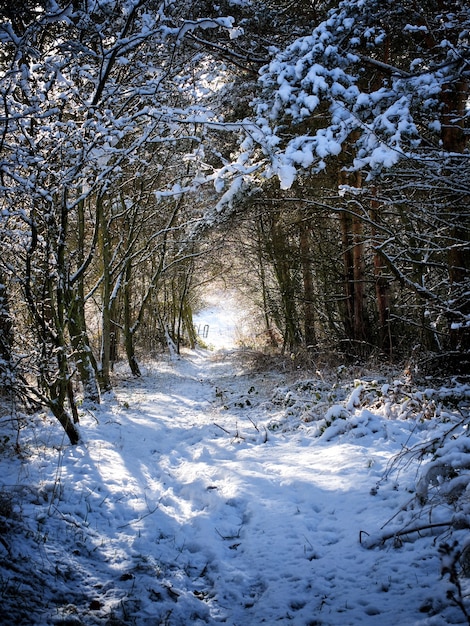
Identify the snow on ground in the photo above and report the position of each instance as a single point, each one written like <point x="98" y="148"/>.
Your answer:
<point x="223" y="324"/>
<point x="196" y="498"/>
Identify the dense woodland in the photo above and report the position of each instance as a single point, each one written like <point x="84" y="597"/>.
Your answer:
<point x="313" y="154"/>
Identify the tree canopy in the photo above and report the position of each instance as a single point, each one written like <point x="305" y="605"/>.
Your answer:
<point x="139" y="135"/>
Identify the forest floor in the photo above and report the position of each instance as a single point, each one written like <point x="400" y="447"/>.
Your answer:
<point x="220" y="488"/>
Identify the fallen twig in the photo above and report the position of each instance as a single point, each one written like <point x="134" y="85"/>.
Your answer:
<point x="235" y="435"/>
<point x="139" y="518"/>
<point x="222" y="428"/>
<point x="404" y="531"/>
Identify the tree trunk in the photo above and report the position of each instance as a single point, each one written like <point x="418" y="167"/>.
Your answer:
<point x="50" y="318"/>
<point x="454" y="140"/>
<point x="128" y="330"/>
<point x="267" y="308"/>
<point x="104" y="369"/>
<point x="83" y="354"/>
<point x="360" y="325"/>
<point x="352" y="239"/>
<point x="184" y="310"/>
<point x="6" y="342"/>
<point x="61" y="390"/>
<point x="382" y="290"/>
<point x="63" y="417"/>
<point x="282" y="269"/>
<point x="309" y="292"/>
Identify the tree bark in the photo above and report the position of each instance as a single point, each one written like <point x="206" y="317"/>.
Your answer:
<point x="104" y="370"/>
<point x="128" y="330"/>
<point x="454" y="99"/>
<point x="308" y="288"/>
<point x="352" y="239"/>
<point x="382" y="287"/>
<point x="6" y="341"/>
<point x="83" y="354"/>
<point x="282" y="268"/>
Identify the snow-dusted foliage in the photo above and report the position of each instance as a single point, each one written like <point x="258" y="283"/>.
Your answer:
<point x="374" y="103"/>
<point x="105" y="117"/>
<point x="371" y="76"/>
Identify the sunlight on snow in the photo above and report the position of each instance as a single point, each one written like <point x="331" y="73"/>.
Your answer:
<point x="332" y="469"/>
<point x="111" y="465"/>
<point x="220" y="324"/>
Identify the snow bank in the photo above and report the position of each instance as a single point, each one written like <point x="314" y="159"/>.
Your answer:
<point x="206" y="492"/>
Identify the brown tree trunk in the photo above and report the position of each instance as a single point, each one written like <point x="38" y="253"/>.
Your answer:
<point x="352" y="239"/>
<point x="454" y="99"/>
<point x="309" y="291"/>
<point x="128" y="330"/>
<point x="6" y="341"/>
<point x="360" y="331"/>
<point x="83" y="354"/>
<point x="104" y="370"/>
<point x="348" y="273"/>
<point x="282" y="269"/>
<point x="382" y="288"/>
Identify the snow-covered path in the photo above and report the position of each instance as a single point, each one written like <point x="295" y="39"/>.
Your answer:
<point x="210" y="518"/>
<point x="185" y="505"/>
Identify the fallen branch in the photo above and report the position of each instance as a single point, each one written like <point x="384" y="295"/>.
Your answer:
<point x="235" y="435"/>
<point x="222" y="428"/>
<point x="140" y="518"/>
<point x="229" y="537"/>
<point x="254" y="425"/>
<point x="265" y="439"/>
<point x="404" y="531"/>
